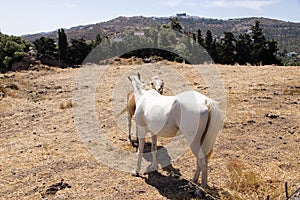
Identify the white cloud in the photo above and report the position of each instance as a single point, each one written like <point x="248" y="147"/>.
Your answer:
<point x="70" y="5"/>
<point x="171" y="3"/>
<point x="65" y="5"/>
<point x="250" y="4"/>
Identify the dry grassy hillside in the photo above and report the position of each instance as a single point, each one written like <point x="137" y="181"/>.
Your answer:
<point x="43" y="157"/>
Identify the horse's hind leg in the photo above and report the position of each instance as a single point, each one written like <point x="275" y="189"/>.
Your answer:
<point x="136" y="134"/>
<point x="203" y="165"/>
<point x="129" y="117"/>
<point x="198" y="170"/>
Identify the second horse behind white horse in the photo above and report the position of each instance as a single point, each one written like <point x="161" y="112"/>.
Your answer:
<point x="196" y="116"/>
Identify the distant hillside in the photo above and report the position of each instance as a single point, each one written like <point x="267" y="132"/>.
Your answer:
<point x="287" y="34"/>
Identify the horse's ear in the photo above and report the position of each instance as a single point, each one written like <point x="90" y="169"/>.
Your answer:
<point x="139" y="75"/>
<point x="129" y="78"/>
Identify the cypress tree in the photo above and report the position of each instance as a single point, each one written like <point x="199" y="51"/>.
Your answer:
<point x="228" y="49"/>
<point x="62" y="45"/>
<point x="259" y="44"/>
<point x="214" y="51"/>
<point x="199" y="37"/>
<point x="208" y="40"/>
<point x="244" y="48"/>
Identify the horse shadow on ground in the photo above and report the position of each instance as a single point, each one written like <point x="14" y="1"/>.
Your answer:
<point x="173" y="185"/>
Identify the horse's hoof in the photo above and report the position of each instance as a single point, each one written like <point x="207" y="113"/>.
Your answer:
<point x="154" y="169"/>
<point x="199" y="194"/>
<point x="134" y="173"/>
<point x="132" y="143"/>
<point x="151" y="168"/>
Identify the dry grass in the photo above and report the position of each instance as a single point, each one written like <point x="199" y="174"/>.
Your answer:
<point x="7" y="86"/>
<point x="248" y="183"/>
<point x="244" y="183"/>
<point x="66" y="105"/>
<point x="42" y="155"/>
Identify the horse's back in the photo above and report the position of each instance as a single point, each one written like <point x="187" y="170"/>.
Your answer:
<point x="192" y="102"/>
<point x="164" y="115"/>
<point x="158" y="106"/>
<point x="156" y="112"/>
<point x="191" y="96"/>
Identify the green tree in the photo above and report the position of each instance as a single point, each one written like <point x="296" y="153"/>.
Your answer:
<point x="166" y="37"/>
<point x="244" y="48"/>
<point x="77" y="51"/>
<point x="228" y="49"/>
<point x="45" y="47"/>
<point x="12" y="49"/>
<point x="194" y="36"/>
<point x="257" y="33"/>
<point x="62" y="45"/>
<point x="271" y="57"/>
<point x="208" y="40"/>
<point x="97" y="40"/>
<point x="214" y="51"/>
<point x="263" y="51"/>
<point x="259" y="44"/>
<point x="199" y="37"/>
<point x="175" y="25"/>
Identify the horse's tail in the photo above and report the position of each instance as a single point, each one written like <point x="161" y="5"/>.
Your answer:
<point x="124" y="110"/>
<point x="213" y="127"/>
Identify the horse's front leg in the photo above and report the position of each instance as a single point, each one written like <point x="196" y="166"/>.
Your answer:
<point x="136" y="134"/>
<point x="154" y="150"/>
<point x="140" y="155"/>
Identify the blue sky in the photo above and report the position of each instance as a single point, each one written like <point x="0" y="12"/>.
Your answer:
<point x="34" y="16"/>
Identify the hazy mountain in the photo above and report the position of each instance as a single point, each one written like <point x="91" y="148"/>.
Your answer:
<point x="287" y="34"/>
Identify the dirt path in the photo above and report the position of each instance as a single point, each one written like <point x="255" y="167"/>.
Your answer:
<point x="42" y="155"/>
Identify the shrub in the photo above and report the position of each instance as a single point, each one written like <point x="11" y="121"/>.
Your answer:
<point x="66" y="105"/>
<point x="12" y="49"/>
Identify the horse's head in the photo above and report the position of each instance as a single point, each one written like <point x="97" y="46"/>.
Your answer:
<point x="137" y="83"/>
<point x="157" y="84"/>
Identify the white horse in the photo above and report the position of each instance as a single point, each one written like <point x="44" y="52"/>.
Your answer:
<point x="157" y="84"/>
<point x="193" y="114"/>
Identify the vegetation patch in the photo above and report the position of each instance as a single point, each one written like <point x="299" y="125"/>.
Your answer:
<point x="66" y="105"/>
<point x="246" y="183"/>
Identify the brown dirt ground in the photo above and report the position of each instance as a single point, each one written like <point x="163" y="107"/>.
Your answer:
<point x="42" y="156"/>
